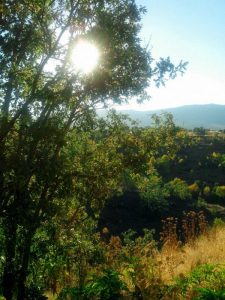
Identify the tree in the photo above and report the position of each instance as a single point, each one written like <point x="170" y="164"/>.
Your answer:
<point x="200" y="130"/>
<point x="40" y="109"/>
<point x="178" y="189"/>
<point x="220" y="191"/>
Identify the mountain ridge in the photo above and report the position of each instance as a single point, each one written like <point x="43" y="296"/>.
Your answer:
<point x="210" y="116"/>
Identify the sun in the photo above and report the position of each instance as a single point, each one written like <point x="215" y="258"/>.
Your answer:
<point x="85" y="57"/>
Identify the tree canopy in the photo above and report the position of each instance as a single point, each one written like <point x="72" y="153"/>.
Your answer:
<point x="47" y="118"/>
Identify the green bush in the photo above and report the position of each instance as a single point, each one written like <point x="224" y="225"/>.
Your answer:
<point x="179" y="189"/>
<point x="218" y="222"/>
<point x="208" y="294"/>
<point x="220" y="191"/>
<point x="204" y="280"/>
<point x="108" y="286"/>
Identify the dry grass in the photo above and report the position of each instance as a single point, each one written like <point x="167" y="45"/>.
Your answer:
<point x="180" y="260"/>
<point x="148" y="271"/>
<point x="153" y="269"/>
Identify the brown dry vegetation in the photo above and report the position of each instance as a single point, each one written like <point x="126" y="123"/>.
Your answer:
<point x="152" y="271"/>
<point x="179" y="260"/>
<point x="155" y="270"/>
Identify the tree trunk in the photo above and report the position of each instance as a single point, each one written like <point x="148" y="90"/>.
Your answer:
<point x="9" y="276"/>
<point x="24" y="267"/>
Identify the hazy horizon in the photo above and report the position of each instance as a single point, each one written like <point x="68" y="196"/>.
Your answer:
<point x="187" y="116"/>
<point x="130" y="107"/>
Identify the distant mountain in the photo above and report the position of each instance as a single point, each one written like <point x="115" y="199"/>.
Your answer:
<point x="210" y="116"/>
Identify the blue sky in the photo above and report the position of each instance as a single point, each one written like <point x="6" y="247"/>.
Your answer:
<point x="190" y="30"/>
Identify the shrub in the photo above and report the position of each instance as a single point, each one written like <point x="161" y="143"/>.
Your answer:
<point x="220" y="191"/>
<point x="204" y="281"/>
<point x="178" y="188"/>
<point x="108" y="286"/>
<point x="206" y="191"/>
<point x="208" y="294"/>
<point x="194" y="189"/>
<point x="155" y="196"/>
<point x="218" y="222"/>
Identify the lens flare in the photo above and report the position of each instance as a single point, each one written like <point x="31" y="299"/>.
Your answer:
<point x="85" y="57"/>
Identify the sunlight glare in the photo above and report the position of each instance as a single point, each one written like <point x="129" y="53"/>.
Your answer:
<point x="85" y="57"/>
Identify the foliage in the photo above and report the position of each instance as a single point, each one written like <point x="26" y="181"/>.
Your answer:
<point x="145" y="270"/>
<point x="2" y="250"/>
<point x="194" y="188"/>
<point x="178" y="188"/>
<point x="62" y="255"/>
<point x="107" y="286"/>
<point x="209" y="294"/>
<point x="151" y="151"/>
<point x="138" y="264"/>
<point x="47" y="153"/>
<point x="209" y="277"/>
<point x="75" y="293"/>
<point x="218" y="222"/>
<point x="218" y="159"/>
<point x="220" y="191"/>
<point x="200" y="130"/>
<point x="156" y="195"/>
<point x="34" y="293"/>
<point x="206" y="191"/>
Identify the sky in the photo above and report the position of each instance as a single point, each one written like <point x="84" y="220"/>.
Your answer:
<point x="188" y="30"/>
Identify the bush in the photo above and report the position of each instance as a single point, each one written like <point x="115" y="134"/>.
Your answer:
<point x="194" y="189"/>
<point x="108" y="286"/>
<point x="204" y="281"/>
<point x="218" y="222"/>
<point x="178" y="188"/>
<point x="206" y="191"/>
<point x="208" y="294"/>
<point x="220" y="191"/>
<point x="155" y="197"/>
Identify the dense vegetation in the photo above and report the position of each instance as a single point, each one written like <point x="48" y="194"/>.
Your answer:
<point x="129" y="177"/>
<point x="190" y="178"/>
<point x="60" y="164"/>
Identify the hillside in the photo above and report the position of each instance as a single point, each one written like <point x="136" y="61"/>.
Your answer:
<point x="211" y="116"/>
<point x="194" y="164"/>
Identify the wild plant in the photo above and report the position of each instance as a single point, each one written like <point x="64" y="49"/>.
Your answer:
<point x="193" y="224"/>
<point x="189" y="224"/>
<point x="168" y="236"/>
<point x="204" y="281"/>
